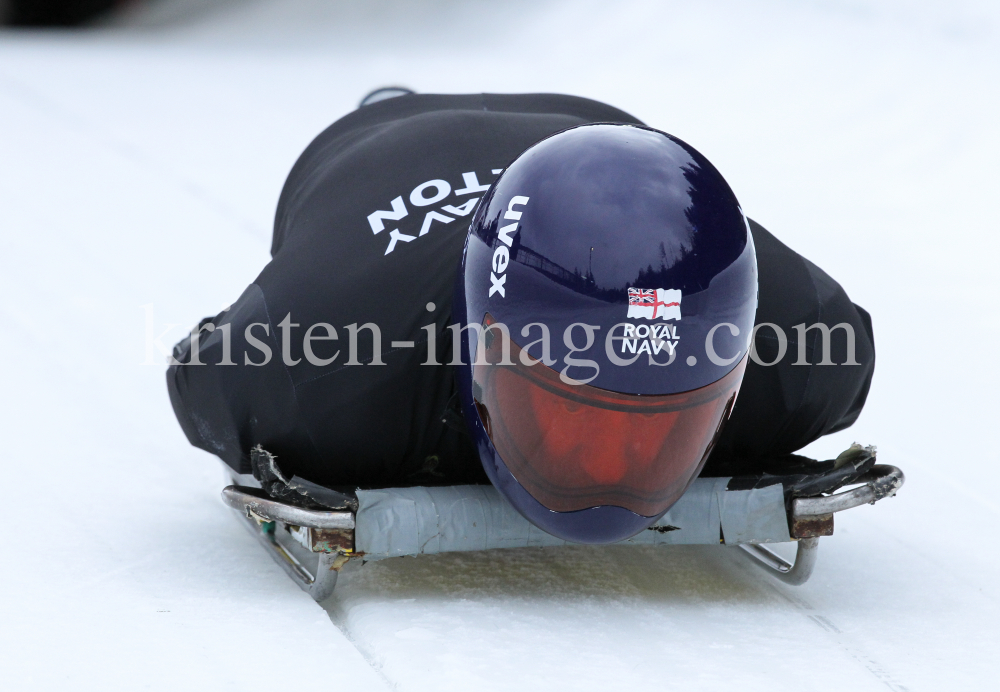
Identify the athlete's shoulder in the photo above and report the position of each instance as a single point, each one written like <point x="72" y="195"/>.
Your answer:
<point x="414" y="105"/>
<point x="400" y="137"/>
<point x="587" y="110"/>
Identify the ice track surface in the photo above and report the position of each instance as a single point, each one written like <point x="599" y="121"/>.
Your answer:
<point x="141" y="163"/>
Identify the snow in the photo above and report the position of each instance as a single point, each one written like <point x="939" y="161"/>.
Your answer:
<point x="141" y="165"/>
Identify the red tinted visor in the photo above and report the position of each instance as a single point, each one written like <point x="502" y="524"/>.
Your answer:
<point x="573" y="447"/>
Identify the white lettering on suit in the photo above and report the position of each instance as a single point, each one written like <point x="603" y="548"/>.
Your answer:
<point x="430" y="193"/>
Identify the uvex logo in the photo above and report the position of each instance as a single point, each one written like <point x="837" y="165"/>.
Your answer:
<point x="501" y="256"/>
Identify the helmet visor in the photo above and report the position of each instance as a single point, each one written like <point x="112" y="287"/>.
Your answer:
<point x="573" y="446"/>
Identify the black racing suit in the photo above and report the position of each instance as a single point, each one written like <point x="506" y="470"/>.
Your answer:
<point x="370" y="228"/>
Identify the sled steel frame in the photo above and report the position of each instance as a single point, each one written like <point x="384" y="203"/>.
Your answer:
<point x="312" y="546"/>
<point x="811" y="517"/>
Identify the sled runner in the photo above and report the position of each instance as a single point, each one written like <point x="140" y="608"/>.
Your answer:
<point x="313" y="532"/>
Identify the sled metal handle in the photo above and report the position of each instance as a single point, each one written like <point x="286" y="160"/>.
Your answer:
<point x="271" y="510"/>
<point x="881" y="481"/>
<point x="796" y="573"/>
<point x="815" y="514"/>
<point x="260" y="516"/>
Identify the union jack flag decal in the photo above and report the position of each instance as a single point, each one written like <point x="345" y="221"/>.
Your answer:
<point x="653" y="303"/>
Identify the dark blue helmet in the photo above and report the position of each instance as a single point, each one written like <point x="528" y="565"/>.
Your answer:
<point x="609" y="285"/>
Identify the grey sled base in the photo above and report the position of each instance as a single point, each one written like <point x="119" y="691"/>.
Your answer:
<point x="313" y="546"/>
